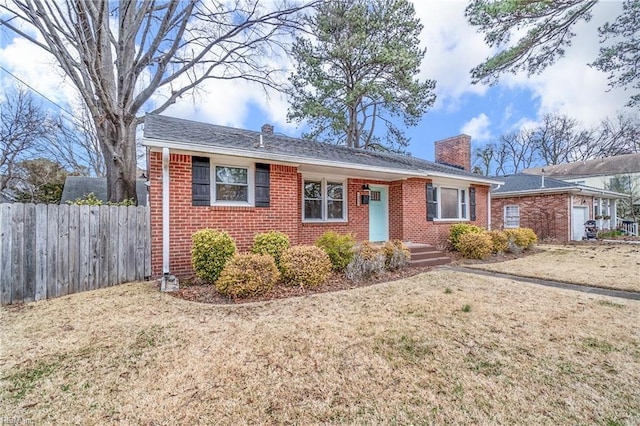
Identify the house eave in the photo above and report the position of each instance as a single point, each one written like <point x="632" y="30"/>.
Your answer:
<point x="567" y="190"/>
<point x="157" y="145"/>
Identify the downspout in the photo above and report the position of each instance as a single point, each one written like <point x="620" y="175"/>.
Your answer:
<point x="168" y="281"/>
<point x="489" y="209"/>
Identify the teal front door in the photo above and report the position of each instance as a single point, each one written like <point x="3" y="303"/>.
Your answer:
<point x="378" y="213"/>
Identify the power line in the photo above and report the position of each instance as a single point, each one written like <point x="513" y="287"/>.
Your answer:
<point x="39" y="93"/>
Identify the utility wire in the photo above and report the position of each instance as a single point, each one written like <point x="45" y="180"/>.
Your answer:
<point x="39" y="93"/>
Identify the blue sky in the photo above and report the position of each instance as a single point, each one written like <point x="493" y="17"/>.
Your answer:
<point x="453" y="48"/>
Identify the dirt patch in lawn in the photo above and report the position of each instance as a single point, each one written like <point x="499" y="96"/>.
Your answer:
<point x="439" y="347"/>
<point x="606" y="265"/>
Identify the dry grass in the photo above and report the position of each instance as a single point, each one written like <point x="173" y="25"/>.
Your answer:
<point x="441" y="347"/>
<point x="601" y="265"/>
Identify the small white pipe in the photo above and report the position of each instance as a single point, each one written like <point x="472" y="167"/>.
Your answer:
<point x="165" y="211"/>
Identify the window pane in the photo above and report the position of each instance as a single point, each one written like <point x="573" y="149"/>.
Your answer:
<point x="231" y="175"/>
<point x="312" y="209"/>
<point x="231" y="193"/>
<point x="334" y="191"/>
<point x="449" y="203"/>
<point x="463" y="204"/>
<point x="335" y="210"/>
<point x="312" y="190"/>
<point x="511" y="216"/>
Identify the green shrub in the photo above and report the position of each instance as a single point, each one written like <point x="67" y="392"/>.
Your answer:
<point x="475" y="245"/>
<point x="459" y="229"/>
<point x="305" y="266"/>
<point x="248" y="274"/>
<point x="339" y="247"/>
<point x="368" y="259"/>
<point x="500" y="241"/>
<point x="272" y="243"/>
<point x="210" y="252"/>
<point x="524" y="238"/>
<point x="396" y="254"/>
<point x="91" y="200"/>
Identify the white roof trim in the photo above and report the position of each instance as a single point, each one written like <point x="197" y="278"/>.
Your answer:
<point x="569" y="189"/>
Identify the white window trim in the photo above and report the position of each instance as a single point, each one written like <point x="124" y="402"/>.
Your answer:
<point x="323" y="188"/>
<point x="505" y="216"/>
<point x="467" y="208"/>
<point x="251" y="171"/>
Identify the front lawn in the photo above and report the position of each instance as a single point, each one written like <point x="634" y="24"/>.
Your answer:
<point x="440" y="347"/>
<point x="595" y="264"/>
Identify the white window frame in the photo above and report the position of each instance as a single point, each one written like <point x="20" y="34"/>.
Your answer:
<point x="250" y="167"/>
<point x="462" y="207"/>
<point x="507" y="223"/>
<point x="324" y="200"/>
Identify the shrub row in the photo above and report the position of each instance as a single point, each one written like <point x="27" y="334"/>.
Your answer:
<point x="272" y="260"/>
<point x="474" y="242"/>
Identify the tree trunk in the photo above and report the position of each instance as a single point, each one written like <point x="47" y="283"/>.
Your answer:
<point x="118" y="143"/>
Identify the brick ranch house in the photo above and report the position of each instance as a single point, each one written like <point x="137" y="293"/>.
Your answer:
<point x="556" y="210"/>
<point x="246" y="182"/>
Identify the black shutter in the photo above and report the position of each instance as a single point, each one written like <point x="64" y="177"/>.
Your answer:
<point x="472" y="203"/>
<point x="262" y="185"/>
<point x="200" y="181"/>
<point x="432" y="202"/>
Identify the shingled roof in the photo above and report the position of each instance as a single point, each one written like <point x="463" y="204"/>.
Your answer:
<point x="619" y="164"/>
<point x="197" y="136"/>
<point x="525" y="184"/>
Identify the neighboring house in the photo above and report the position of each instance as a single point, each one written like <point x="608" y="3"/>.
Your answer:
<point x="556" y="210"/>
<point x="620" y="173"/>
<point x="246" y="182"/>
<point x="80" y="186"/>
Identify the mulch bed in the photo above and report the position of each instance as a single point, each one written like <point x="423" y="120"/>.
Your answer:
<point x="192" y="290"/>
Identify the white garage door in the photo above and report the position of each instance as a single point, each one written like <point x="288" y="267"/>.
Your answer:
<point x="579" y="217"/>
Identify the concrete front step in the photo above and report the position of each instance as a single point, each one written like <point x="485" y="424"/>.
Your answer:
<point x="426" y="255"/>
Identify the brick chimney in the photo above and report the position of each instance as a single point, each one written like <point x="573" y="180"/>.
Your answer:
<point x="454" y="151"/>
<point x="267" y="129"/>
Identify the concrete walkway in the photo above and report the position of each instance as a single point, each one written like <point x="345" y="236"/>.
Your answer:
<point x="632" y="295"/>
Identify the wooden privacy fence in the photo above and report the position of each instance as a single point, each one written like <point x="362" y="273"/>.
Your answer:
<point x="49" y="250"/>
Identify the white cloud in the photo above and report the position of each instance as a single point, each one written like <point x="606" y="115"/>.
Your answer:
<point x="478" y="128"/>
<point x="453" y="48"/>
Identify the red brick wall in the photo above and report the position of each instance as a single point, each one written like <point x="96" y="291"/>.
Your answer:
<point x="547" y="215"/>
<point x="407" y="213"/>
<point x="455" y="150"/>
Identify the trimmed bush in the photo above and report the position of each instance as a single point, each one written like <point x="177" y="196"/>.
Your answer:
<point x="272" y="243"/>
<point x="339" y="248"/>
<point x="248" y="274"/>
<point x="396" y="254"/>
<point x="210" y="252"/>
<point x="500" y="241"/>
<point x="368" y="260"/>
<point x="524" y="238"/>
<point x="475" y="245"/>
<point x="459" y="229"/>
<point x="305" y="266"/>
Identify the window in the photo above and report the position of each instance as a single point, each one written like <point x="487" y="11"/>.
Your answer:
<point x="229" y="184"/>
<point x="449" y="203"/>
<point x="323" y="200"/>
<point x="232" y="184"/>
<point x="511" y="216"/>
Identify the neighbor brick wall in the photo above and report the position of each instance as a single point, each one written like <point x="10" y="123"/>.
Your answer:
<point x="547" y="215"/>
<point x="455" y="150"/>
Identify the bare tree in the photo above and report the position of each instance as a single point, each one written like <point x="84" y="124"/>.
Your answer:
<point x="484" y="159"/>
<point x="119" y="54"/>
<point x="617" y="136"/>
<point x="518" y="149"/>
<point x="23" y="127"/>
<point x="555" y="138"/>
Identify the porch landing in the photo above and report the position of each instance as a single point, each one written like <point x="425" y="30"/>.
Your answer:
<point x="426" y="255"/>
